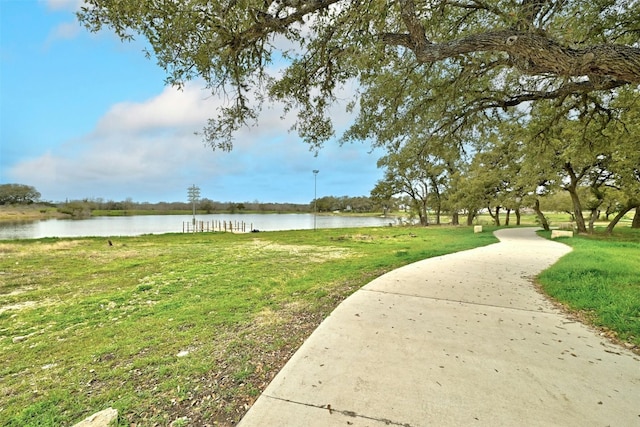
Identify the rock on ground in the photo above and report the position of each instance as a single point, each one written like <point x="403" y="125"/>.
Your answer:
<point x="99" y="419"/>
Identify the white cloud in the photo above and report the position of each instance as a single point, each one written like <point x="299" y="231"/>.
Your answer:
<point x="169" y="109"/>
<point x="72" y="5"/>
<point x="64" y="31"/>
<point x="67" y="30"/>
<point x="148" y="150"/>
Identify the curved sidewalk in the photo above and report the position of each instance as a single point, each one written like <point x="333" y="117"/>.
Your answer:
<point x="461" y="339"/>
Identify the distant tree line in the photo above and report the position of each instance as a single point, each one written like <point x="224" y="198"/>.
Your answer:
<point x="129" y="206"/>
<point x="361" y="204"/>
<point x="20" y="194"/>
<point x="424" y="194"/>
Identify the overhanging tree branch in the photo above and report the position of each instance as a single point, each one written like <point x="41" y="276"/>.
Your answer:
<point x="231" y="45"/>
<point x="533" y="54"/>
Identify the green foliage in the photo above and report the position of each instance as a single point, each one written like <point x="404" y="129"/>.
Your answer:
<point x="548" y="90"/>
<point x="588" y="147"/>
<point x="18" y="194"/>
<point x="447" y="61"/>
<point x="77" y="209"/>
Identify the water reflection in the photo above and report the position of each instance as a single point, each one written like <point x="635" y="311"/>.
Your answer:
<point x="159" y="224"/>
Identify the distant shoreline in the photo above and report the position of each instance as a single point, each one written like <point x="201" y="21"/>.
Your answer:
<point x="36" y="212"/>
<point x="29" y="213"/>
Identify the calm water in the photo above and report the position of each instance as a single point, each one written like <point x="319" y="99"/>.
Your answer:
<point x="158" y="224"/>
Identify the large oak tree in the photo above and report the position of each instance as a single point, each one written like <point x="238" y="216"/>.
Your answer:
<point x="465" y="57"/>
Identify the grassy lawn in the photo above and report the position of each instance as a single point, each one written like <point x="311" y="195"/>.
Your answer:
<point x="180" y="325"/>
<point x="195" y="325"/>
<point x="600" y="279"/>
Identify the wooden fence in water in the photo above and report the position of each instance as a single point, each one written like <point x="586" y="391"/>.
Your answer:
<point x="210" y="226"/>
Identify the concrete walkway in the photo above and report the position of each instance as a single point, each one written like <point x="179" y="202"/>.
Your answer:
<point x="457" y="340"/>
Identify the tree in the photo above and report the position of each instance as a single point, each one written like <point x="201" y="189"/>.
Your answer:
<point x="419" y="171"/>
<point x="467" y="194"/>
<point x="207" y="205"/>
<point x="78" y="209"/>
<point x="625" y="158"/>
<point x="495" y="173"/>
<point x="568" y="147"/>
<point x="465" y="59"/>
<point x="18" y="194"/>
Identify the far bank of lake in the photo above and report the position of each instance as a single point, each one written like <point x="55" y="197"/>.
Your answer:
<point x="160" y="224"/>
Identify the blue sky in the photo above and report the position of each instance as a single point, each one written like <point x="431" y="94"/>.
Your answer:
<point x="86" y="116"/>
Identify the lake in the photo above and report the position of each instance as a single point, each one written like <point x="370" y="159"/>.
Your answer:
<point x="159" y="224"/>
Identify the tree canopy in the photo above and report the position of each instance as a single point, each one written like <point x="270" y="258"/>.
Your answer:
<point x="457" y="61"/>
<point x="479" y="104"/>
<point x="18" y="194"/>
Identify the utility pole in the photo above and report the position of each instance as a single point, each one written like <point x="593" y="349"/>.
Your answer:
<point x="315" y="197"/>
<point x="194" y="195"/>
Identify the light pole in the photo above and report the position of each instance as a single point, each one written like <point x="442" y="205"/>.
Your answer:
<point x="194" y="195"/>
<point x="315" y="197"/>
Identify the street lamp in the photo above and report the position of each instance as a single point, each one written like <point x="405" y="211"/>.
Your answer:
<point x="315" y="197"/>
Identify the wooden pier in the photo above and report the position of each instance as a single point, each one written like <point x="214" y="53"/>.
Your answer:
<point x="211" y="226"/>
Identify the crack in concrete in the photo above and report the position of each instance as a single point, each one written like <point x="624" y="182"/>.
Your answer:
<point x="528" y="310"/>
<point x="345" y="412"/>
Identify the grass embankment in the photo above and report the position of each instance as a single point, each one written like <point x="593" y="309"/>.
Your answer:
<point x="29" y="213"/>
<point x="600" y="281"/>
<point x="183" y="325"/>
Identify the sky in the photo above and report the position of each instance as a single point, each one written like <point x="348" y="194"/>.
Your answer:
<point x="84" y="115"/>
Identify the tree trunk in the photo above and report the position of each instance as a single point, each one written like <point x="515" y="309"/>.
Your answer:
<point x="636" y="218"/>
<point x="543" y="220"/>
<point x="506" y="221"/>
<point x="577" y="210"/>
<point x="424" y="213"/>
<point x="595" y="213"/>
<point x="619" y="216"/>
<point x="470" y="217"/>
<point x="517" y="216"/>
<point x="455" y="218"/>
<point x="423" y="220"/>
<point x="496" y="217"/>
<point x="438" y="200"/>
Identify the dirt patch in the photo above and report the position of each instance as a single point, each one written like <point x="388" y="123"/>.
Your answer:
<point x="18" y="306"/>
<point x="222" y="396"/>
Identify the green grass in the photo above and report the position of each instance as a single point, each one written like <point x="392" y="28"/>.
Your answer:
<point x="179" y="325"/>
<point x="601" y="279"/>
